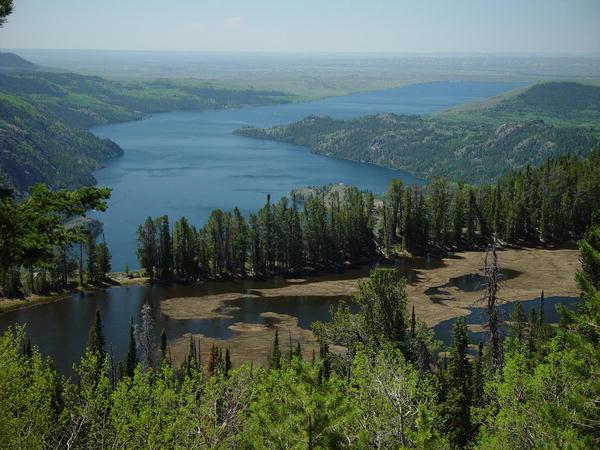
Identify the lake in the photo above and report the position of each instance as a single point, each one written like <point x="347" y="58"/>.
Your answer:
<point x="60" y="329"/>
<point x="189" y="163"/>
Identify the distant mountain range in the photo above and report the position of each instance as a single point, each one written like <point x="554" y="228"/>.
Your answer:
<point x="472" y="143"/>
<point x="45" y="116"/>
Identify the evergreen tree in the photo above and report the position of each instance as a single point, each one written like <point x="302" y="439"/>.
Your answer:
<point x="212" y="360"/>
<point x="456" y="409"/>
<point x="478" y="377"/>
<point x="163" y="344"/>
<point x="165" y="249"/>
<point x="324" y="363"/>
<point x="96" y="340"/>
<point x="131" y="358"/>
<point x="6" y="9"/>
<point x="519" y="322"/>
<point x="227" y="363"/>
<point x="541" y="314"/>
<point x="92" y="268"/>
<point x="192" y="364"/>
<point x="458" y="218"/>
<point x="147" y="247"/>
<point x="103" y="258"/>
<point x="275" y="356"/>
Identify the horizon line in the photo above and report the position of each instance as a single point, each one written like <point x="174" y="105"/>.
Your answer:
<point x="311" y="52"/>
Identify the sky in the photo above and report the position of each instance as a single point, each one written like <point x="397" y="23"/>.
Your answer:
<point x="395" y="26"/>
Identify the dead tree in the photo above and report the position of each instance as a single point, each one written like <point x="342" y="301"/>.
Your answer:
<point x="494" y="320"/>
<point x="144" y="338"/>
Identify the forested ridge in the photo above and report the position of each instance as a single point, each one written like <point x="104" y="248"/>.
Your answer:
<point x="44" y="117"/>
<point x="473" y="144"/>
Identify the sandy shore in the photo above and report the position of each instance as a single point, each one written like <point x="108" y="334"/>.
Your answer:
<point x="534" y="270"/>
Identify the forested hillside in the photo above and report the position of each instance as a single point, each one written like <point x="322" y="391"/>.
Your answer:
<point x="44" y="119"/>
<point x="474" y="144"/>
<point x="9" y="62"/>
<point x="36" y="146"/>
<point x="556" y="102"/>
<point x="379" y="380"/>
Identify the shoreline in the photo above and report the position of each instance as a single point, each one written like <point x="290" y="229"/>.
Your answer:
<point x="15" y="304"/>
<point x="432" y="308"/>
<point x="541" y="268"/>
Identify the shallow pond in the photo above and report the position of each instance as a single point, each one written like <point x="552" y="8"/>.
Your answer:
<point x="60" y="328"/>
<point x="443" y="330"/>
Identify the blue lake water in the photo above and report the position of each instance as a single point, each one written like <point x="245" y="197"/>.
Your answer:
<point x="189" y="163"/>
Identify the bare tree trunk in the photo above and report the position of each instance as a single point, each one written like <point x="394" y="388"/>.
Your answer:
<point x="81" y="264"/>
<point x="494" y="321"/>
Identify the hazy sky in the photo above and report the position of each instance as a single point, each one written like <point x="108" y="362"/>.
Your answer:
<point x="421" y="26"/>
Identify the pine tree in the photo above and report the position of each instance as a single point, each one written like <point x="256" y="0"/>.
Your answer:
<point x="458" y="218"/>
<point x="96" y="339"/>
<point x="103" y="257"/>
<point x="163" y="344"/>
<point x="533" y="327"/>
<point x="147" y="247"/>
<point x="325" y="363"/>
<point x="192" y="366"/>
<point x="478" y="377"/>
<point x="519" y="322"/>
<point x="165" y="248"/>
<point x="92" y="269"/>
<point x="212" y="361"/>
<point x="456" y="409"/>
<point x="228" y="366"/>
<point x="131" y="358"/>
<point x="275" y="356"/>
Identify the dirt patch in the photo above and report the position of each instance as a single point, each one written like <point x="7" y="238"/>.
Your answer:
<point x="537" y="269"/>
<point x="251" y="342"/>
<point x="434" y="299"/>
<point x="206" y="307"/>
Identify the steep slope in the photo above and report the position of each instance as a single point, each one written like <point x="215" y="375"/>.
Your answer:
<point x="35" y="146"/>
<point x="472" y="145"/>
<point x="44" y="119"/>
